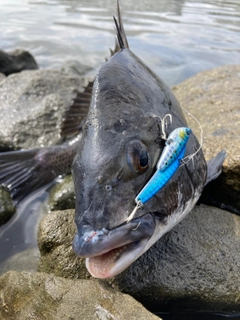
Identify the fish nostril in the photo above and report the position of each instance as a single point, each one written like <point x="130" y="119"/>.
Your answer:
<point x="108" y="187"/>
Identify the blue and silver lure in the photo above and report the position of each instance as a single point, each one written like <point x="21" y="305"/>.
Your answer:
<point x="167" y="165"/>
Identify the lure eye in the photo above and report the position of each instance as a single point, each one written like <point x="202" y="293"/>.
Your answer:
<point x="188" y="131"/>
<point x="137" y="156"/>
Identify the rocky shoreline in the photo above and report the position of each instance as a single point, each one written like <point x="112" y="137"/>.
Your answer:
<point x="195" y="266"/>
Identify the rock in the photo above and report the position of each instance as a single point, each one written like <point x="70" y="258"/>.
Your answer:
<point x="26" y="260"/>
<point x="7" y="208"/>
<point x="16" y="61"/>
<point x="213" y="98"/>
<point x="2" y="77"/>
<point x="55" y="236"/>
<point x="75" y="67"/>
<point x="32" y="106"/>
<point x="197" y="264"/>
<point x="42" y="296"/>
<point x="62" y="195"/>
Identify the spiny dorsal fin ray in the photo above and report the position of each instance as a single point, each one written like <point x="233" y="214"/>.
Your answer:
<point x="75" y="115"/>
<point x="121" y="36"/>
<point x="116" y="48"/>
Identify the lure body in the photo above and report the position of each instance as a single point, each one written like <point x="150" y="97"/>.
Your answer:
<point x="174" y="145"/>
<point x="167" y="165"/>
<point x="158" y="180"/>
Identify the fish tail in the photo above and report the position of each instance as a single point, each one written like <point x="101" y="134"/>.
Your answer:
<point x="121" y="35"/>
<point x="25" y="171"/>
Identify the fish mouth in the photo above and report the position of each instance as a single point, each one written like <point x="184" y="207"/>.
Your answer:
<point x="116" y="260"/>
<point x="109" y="252"/>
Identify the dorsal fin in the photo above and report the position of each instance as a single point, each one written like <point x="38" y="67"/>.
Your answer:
<point x="75" y="115"/>
<point x="116" y="48"/>
<point x="121" y="36"/>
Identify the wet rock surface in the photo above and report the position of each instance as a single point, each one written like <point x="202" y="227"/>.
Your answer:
<point x="196" y="264"/>
<point x="58" y="298"/>
<point x="55" y="236"/>
<point x="16" y="61"/>
<point x="32" y="105"/>
<point x="213" y="97"/>
<point x="62" y="195"/>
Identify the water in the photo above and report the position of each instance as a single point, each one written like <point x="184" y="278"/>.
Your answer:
<point x="175" y="38"/>
<point x="20" y="233"/>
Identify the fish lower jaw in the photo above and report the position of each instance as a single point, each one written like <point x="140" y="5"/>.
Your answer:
<point x="115" y="261"/>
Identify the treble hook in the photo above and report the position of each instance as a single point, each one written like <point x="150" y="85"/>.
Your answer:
<point x="136" y="226"/>
<point x="138" y="206"/>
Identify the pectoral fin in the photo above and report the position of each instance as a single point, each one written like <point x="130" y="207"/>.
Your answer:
<point x="214" y="166"/>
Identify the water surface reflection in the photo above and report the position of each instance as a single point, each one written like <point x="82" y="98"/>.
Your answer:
<point x="175" y="38"/>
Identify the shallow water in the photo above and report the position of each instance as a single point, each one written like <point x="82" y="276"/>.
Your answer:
<point x="20" y="233"/>
<point x="175" y="38"/>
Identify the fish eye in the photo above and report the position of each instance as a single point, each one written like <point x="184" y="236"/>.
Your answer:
<point x="188" y="131"/>
<point x="143" y="158"/>
<point x="108" y="187"/>
<point x="137" y="156"/>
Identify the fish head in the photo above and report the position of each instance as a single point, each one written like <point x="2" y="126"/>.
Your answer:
<point x="118" y="153"/>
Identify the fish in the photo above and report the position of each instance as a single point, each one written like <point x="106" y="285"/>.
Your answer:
<point x="117" y="142"/>
<point x="118" y="154"/>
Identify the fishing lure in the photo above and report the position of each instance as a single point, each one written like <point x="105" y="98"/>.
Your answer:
<point x="174" y="145"/>
<point x="167" y="165"/>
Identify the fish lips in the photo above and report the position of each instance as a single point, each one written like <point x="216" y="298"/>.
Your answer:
<point x="109" y="252"/>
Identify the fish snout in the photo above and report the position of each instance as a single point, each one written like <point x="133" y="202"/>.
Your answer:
<point x="85" y="245"/>
<point x="97" y="242"/>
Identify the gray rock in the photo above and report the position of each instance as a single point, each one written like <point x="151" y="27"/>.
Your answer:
<point x="213" y="98"/>
<point x="197" y="264"/>
<point x="41" y="296"/>
<point x="75" y="67"/>
<point x="16" y="61"/>
<point x="2" y="77"/>
<point x="32" y="105"/>
<point x="55" y="236"/>
<point x="7" y="208"/>
<point x="62" y="195"/>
